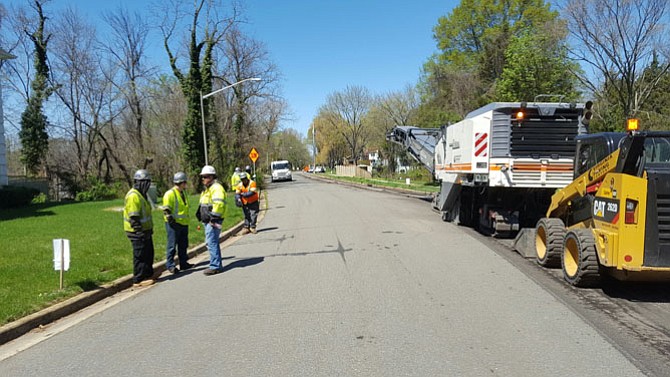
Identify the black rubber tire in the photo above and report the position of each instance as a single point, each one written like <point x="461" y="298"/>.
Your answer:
<point x="549" y="237"/>
<point x="580" y="259"/>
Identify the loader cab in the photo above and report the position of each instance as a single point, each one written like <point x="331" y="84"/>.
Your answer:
<point x="593" y="148"/>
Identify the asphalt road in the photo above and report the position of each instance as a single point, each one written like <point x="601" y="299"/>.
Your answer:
<point x="338" y="281"/>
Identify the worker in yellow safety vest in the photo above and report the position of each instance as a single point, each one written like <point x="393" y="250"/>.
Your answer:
<point x="138" y="224"/>
<point x="210" y="212"/>
<point x="235" y="179"/>
<point x="175" y="214"/>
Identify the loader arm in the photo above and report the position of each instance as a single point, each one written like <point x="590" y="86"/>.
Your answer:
<point x="582" y="185"/>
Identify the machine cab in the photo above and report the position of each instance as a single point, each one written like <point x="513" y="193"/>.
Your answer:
<point x="593" y="148"/>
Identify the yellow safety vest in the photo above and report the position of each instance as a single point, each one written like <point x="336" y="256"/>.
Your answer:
<point x="234" y="181"/>
<point x="214" y="197"/>
<point x="178" y="207"/>
<point x="137" y="205"/>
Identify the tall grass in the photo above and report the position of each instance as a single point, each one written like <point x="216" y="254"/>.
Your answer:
<point x="99" y="249"/>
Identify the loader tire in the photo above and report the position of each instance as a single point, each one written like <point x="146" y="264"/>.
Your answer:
<point x="549" y="237"/>
<point x="580" y="259"/>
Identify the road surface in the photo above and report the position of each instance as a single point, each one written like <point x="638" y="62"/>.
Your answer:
<point x="339" y="281"/>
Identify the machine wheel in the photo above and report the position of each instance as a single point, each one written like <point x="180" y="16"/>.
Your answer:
<point x="579" y="259"/>
<point x="549" y="237"/>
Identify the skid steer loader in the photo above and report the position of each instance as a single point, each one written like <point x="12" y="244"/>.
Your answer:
<point x="614" y="218"/>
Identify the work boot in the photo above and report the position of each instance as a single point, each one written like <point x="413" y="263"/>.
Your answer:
<point x="252" y="230"/>
<point x="244" y="231"/>
<point x="209" y="271"/>
<point x="173" y="270"/>
<point x="144" y="283"/>
<point x="186" y="266"/>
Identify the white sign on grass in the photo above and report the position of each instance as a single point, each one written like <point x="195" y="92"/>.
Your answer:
<point x="61" y="251"/>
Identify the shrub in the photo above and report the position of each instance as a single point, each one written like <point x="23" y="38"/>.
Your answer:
<point x="98" y="190"/>
<point x="39" y="199"/>
<point x="12" y="197"/>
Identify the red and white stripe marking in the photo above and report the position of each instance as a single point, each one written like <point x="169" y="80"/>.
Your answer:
<point x="481" y="144"/>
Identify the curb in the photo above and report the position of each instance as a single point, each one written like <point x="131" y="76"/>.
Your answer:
<point x="369" y="186"/>
<point x="55" y="312"/>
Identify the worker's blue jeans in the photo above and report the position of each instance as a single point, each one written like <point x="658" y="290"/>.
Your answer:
<point x="212" y="234"/>
<point x="177" y="241"/>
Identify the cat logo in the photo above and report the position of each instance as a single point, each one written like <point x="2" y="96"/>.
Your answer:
<point x="598" y="208"/>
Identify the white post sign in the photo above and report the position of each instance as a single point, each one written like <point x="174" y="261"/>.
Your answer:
<point x="61" y="257"/>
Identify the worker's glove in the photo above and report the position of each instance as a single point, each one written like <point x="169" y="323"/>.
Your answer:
<point x="136" y="224"/>
<point x="170" y="219"/>
<point x="238" y="200"/>
<point x="197" y="215"/>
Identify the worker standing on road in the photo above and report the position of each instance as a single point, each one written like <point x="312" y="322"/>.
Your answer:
<point x="210" y="212"/>
<point x="235" y="179"/>
<point x="246" y="194"/>
<point x="138" y="224"/>
<point x="175" y="214"/>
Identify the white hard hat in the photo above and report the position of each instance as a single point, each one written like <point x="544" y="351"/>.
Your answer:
<point x="208" y="170"/>
<point x="244" y="176"/>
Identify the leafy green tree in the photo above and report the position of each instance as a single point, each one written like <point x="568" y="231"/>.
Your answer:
<point x="474" y="40"/>
<point x="536" y="64"/>
<point x="33" y="134"/>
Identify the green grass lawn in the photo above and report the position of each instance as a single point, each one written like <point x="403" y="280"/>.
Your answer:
<point x="99" y="250"/>
<point x="422" y="186"/>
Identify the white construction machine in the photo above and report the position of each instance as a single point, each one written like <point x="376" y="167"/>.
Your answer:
<point x="500" y="165"/>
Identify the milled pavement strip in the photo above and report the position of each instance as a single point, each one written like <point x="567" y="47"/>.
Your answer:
<point x="42" y="324"/>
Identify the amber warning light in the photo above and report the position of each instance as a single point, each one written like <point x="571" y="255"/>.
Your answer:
<point x="519" y="115"/>
<point x="632" y="124"/>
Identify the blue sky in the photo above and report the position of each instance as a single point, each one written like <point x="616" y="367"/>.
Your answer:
<point x="320" y="47"/>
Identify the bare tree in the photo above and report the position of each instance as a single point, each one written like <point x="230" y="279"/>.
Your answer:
<point x="617" y="39"/>
<point x="401" y="106"/>
<point x="127" y="48"/>
<point x="243" y="57"/>
<point x="345" y="111"/>
<point x="83" y="90"/>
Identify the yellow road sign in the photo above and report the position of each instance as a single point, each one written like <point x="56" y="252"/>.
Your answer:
<point x="253" y="155"/>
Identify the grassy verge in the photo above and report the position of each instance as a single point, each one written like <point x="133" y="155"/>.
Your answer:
<point x="99" y="249"/>
<point x="422" y="186"/>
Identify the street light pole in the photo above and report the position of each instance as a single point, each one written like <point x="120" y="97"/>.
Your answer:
<point x="202" y="110"/>
<point x="314" y="146"/>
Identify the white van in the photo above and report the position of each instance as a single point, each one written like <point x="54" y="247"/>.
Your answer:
<point x="281" y="171"/>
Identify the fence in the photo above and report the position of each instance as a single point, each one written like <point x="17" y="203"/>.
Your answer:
<point x="360" y="171"/>
<point x="41" y="184"/>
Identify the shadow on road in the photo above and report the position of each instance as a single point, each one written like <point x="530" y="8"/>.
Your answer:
<point x="243" y="263"/>
<point x="637" y="292"/>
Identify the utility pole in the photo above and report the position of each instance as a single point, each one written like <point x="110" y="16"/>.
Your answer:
<point x="314" y="146"/>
